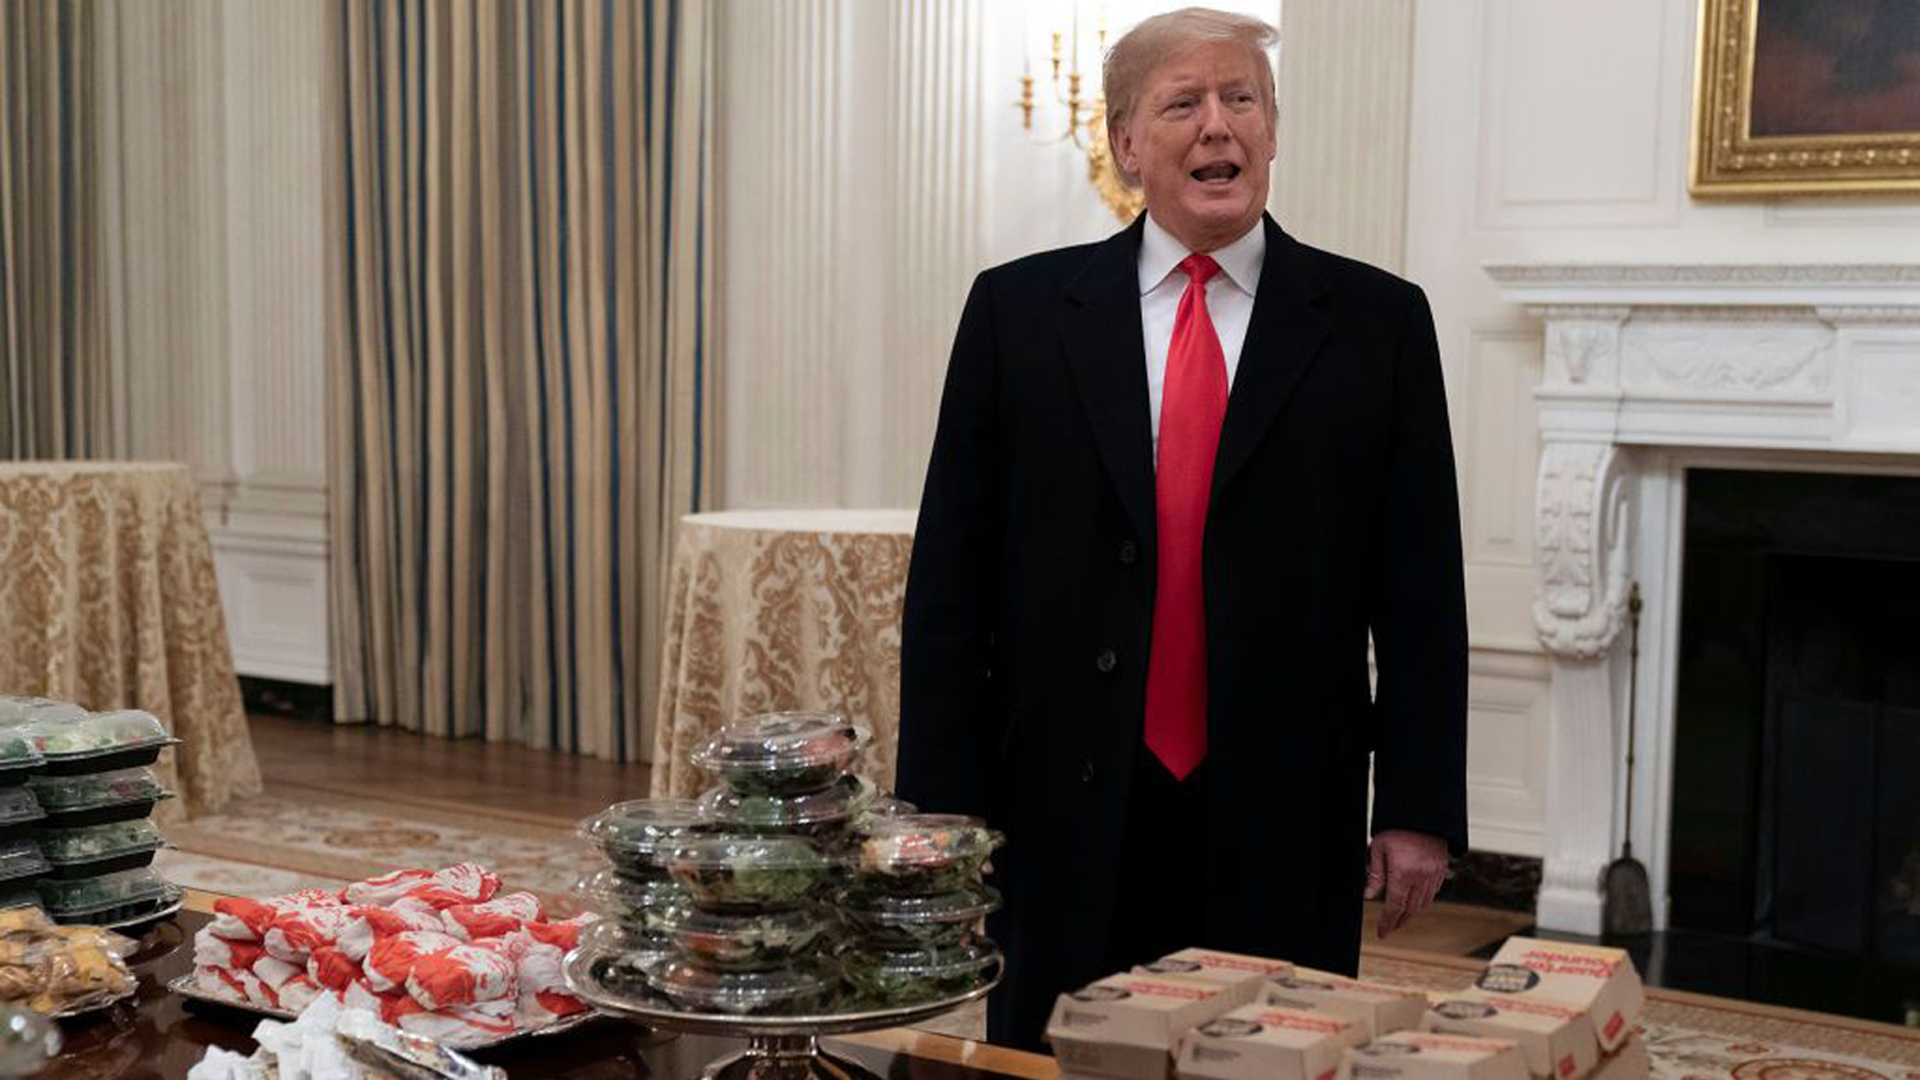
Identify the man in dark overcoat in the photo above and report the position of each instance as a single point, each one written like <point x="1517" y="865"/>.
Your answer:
<point x="1181" y="478"/>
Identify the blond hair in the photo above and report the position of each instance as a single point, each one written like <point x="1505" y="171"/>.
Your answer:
<point x="1132" y="58"/>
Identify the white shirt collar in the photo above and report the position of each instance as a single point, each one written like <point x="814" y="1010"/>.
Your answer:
<point x="1161" y="254"/>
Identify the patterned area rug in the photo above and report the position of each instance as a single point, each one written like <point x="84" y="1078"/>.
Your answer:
<point x="1694" y="1037"/>
<point x="294" y="838"/>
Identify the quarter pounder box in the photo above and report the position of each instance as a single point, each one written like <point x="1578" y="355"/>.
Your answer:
<point x="1242" y="976"/>
<point x="1124" y="1026"/>
<point x="1556" y="1038"/>
<point x="1380" y="1009"/>
<point x="1600" y="980"/>
<point x="1268" y="1042"/>
<point x="1426" y="1055"/>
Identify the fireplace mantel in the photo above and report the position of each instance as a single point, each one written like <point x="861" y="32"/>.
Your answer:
<point x="1648" y="368"/>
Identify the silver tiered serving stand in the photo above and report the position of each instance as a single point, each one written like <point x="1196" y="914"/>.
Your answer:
<point x="778" y="1047"/>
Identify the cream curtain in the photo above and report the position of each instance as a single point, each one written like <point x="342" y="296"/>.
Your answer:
<point x="522" y="400"/>
<point x="54" y="354"/>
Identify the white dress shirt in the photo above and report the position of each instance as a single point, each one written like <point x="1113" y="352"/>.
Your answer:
<point x="1229" y="301"/>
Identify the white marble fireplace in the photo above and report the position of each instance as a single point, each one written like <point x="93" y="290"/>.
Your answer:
<point x="1651" y="370"/>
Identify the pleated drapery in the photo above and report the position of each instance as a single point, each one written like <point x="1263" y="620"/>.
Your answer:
<point x="521" y="396"/>
<point x="55" y="359"/>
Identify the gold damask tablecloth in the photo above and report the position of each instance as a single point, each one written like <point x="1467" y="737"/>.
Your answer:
<point x="108" y="599"/>
<point x="782" y="609"/>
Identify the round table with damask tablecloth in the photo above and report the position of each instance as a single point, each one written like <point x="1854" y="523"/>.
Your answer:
<point x="781" y="609"/>
<point x="108" y="599"/>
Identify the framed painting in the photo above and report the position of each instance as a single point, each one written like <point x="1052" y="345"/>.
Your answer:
<point x="1807" y="97"/>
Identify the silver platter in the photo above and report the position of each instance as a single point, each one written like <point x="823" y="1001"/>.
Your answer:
<point x="662" y="1014"/>
<point x="187" y="987"/>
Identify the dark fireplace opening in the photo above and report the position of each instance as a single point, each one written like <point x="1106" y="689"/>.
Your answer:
<point x="1796" y="798"/>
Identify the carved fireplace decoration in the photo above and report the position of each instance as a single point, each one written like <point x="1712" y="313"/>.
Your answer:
<point x="1649" y="370"/>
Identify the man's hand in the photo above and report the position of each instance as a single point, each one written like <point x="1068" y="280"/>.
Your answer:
<point x="1407" y="868"/>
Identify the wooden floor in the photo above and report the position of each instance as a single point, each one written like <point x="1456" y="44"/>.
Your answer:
<point x="500" y="779"/>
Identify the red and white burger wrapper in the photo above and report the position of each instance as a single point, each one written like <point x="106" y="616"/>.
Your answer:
<point x="462" y="975"/>
<point x="391" y="960"/>
<point x="1380" y="1009"/>
<point x="1240" y="975"/>
<point x="1268" y="1042"/>
<point x="1556" y="1038"/>
<point x="1124" y="1026"/>
<point x="1425" y="1055"/>
<point x="1600" y="980"/>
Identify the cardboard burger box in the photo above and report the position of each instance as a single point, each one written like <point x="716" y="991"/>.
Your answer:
<point x="1557" y="1038"/>
<point x="1427" y="1055"/>
<point x="1380" y="1009"/>
<point x="1124" y="1026"/>
<point x="1600" y="980"/>
<point x="1268" y="1042"/>
<point x="1630" y="1062"/>
<point x="1242" y="976"/>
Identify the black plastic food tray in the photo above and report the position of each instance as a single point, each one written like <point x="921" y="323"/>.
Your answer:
<point x="119" y="914"/>
<point x="100" y="815"/>
<point x="86" y="765"/>
<point x="91" y="868"/>
<point x="15" y="775"/>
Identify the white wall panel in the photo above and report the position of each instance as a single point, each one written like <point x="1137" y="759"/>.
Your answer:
<point x="1503" y="364"/>
<point x="1506" y="751"/>
<point x="1567" y="142"/>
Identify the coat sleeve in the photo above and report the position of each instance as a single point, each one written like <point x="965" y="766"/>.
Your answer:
<point x="947" y="728"/>
<point x="1419" y="609"/>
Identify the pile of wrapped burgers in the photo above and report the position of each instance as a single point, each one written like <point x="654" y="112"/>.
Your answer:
<point x="1541" y="1010"/>
<point x="437" y="953"/>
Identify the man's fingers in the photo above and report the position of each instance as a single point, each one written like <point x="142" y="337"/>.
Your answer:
<point x="1399" y="893"/>
<point x="1376" y="871"/>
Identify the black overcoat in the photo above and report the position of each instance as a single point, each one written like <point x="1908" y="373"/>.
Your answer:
<point x="1333" y="516"/>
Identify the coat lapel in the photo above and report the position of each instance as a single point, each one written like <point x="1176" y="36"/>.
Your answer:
<point x="1102" y="337"/>
<point x="1286" y="331"/>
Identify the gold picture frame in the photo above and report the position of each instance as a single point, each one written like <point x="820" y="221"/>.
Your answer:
<point x="1834" y="114"/>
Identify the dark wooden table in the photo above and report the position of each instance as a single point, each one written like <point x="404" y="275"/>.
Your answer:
<point x="159" y="1035"/>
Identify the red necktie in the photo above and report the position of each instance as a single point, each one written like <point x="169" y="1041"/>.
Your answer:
<point x="1193" y="404"/>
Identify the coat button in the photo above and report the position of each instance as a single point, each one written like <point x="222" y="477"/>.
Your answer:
<point x="1086" y="772"/>
<point x="1106" y="661"/>
<point x="1129" y="553"/>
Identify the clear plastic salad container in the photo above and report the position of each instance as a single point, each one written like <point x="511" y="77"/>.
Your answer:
<point x="640" y="944"/>
<point x="823" y="814"/>
<point x="18" y="894"/>
<point x="639" y="904"/>
<point x="100" y="849"/>
<point x="21" y="858"/>
<point x="890" y="921"/>
<point x="749" y="873"/>
<point x="97" y="798"/>
<point x="18" y="807"/>
<point x="783" y="753"/>
<point x="17" y="710"/>
<point x="17" y="757"/>
<point x="637" y="836"/>
<point x="798" y="989"/>
<point x="747" y="941"/>
<point x="98" y="742"/>
<point x="83" y="897"/>
<point x="916" y="976"/>
<point x="921" y="854"/>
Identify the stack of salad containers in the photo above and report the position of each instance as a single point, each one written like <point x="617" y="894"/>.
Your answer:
<point x="790" y="888"/>
<point x="914" y="902"/>
<point x="755" y="934"/>
<point x="94" y="792"/>
<point x="21" y="861"/>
